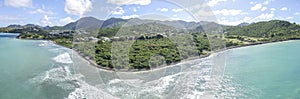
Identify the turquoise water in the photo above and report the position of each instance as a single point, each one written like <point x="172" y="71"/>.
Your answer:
<point x="21" y="61"/>
<point x="32" y="69"/>
<point x="269" y="71"/>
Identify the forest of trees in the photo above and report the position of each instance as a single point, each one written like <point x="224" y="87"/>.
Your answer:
<point x="272" y="30"/>
<point x="149" y="49"/>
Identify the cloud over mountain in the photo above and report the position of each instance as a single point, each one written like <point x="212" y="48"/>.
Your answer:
<point x="78" y="7"/>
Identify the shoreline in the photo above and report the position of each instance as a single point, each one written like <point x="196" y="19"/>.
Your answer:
<point x="94" y="64"/>
<point x="91" y="62"/>
<point x="262" y="43"/>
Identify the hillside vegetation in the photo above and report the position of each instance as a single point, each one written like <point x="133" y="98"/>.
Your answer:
<point x="150" y="43"/>
<point x="273" y="30"/>
<point x="144" y="47"/>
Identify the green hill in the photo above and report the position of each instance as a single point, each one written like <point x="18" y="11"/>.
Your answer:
<point x="275" y="29"/>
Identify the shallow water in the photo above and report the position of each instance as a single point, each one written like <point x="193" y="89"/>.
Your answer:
<point x="266" y="71"/>
<point x="40" y="69"/>
<point x="20" y="62"/>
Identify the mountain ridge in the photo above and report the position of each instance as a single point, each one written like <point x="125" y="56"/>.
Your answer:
<point x="92" y="24"/>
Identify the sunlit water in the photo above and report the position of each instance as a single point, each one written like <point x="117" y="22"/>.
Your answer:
<point x="268" y="71"/>
<point x="22" y="62"/>
<point x="42" y="70"/>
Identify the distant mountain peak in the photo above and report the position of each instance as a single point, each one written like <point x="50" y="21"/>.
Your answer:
<point x="243" y="24"/>
<point x="85" y="23"/>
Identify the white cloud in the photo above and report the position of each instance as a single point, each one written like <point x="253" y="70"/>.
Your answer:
<point x="284" y="9"/>
<point x="129" y="2"/>
<point x="41" y="11"/>
<point x="214" y="2"/>
<point x="251" y="2"/>
<point x="65" y="21"/>
<point x="266" y="2"/>
<point x="78" y="7"/>
<point x="226" y="12"/>
<point x="130" y="16"/>
<point x="188" y="19"/>
<point x="264" y="9"/>
<point x="256" y="7"/>
<point x="273" y="9"/>
<point x="163" y="9"/>
<point x="289" y="18"/>
<point x="246" y="19"/>
<point x="265" y="16"/>
<point x="177" y="10"/>
<point x="205" y="15"/>
<point x="176" y="18"/>
<point x="228" y="22"/>
<point x="297" y="13"/>
<point x="45" y="21"/>
<point x="118" y="11"/>
<point x="18" y="3"/>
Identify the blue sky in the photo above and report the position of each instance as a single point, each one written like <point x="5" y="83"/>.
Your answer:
<point x="228" y="12"/>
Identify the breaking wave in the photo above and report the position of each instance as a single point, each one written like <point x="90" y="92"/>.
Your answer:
<point x="46" y="43"/>
<point x="63" y="58"/>
<point x="191" y="79"/>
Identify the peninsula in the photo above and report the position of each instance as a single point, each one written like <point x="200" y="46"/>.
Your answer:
<point x="113" y="44"/>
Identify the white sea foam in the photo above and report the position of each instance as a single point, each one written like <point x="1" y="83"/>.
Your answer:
<point x="192" y="83"/>
<point x="114" y="81"/>
<point x="46" y="75"/>
<point x="56" y="75"/>
<point x="63" y="58"/>
<point x="46" y="43"/>
<point x="89" y="92"/>
<point x="179" y="85"/>
<point x="76" y="94"/>
<point x="163" y="83"/>
<point x="63" y="78"/>
<point x="187" y="84"/>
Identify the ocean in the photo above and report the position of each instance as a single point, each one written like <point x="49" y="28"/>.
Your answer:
<point x="22" y="62"/>
<point x="38" y="69"/>
<point x="268" y="71"/>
